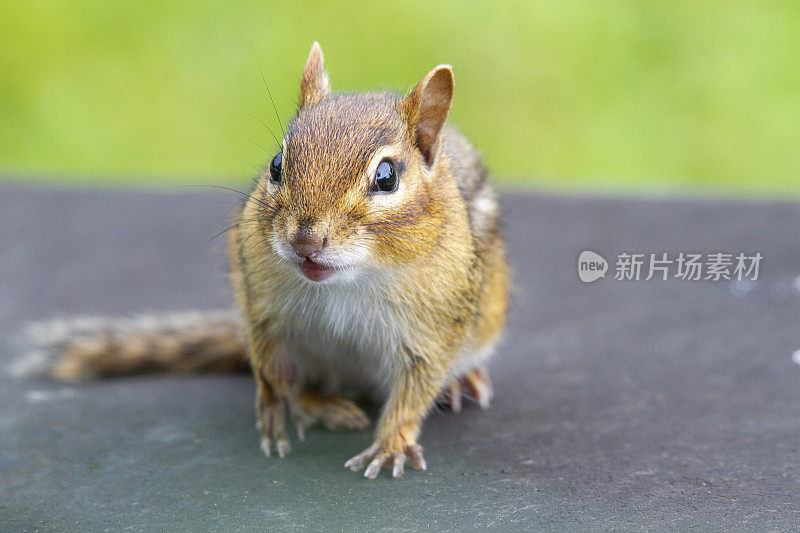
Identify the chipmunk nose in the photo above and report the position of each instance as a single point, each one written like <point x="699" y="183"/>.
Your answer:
<point x="306" y="245"/>
<point x="306" y="250"/>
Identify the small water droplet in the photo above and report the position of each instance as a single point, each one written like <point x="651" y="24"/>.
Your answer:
<point x="796" y="285"/>
<point x="741" y="287"/>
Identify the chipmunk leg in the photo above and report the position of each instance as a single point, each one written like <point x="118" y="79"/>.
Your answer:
<point x="273" y="383"/>
<point x="414" y="392"/>
<point x="271" y="417"/>
<point x="279" y="392"/>
<point x="333" y="411"/>
<point x="275" y="379"/>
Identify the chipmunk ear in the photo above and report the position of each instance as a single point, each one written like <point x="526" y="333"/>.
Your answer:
<point x="426" y="109"/>
<point x="314" y="83"/>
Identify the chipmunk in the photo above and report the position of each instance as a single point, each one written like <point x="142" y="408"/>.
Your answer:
<point x="367" y="258"/>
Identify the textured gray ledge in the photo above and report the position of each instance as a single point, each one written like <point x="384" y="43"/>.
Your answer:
<point x="619" y="405"/>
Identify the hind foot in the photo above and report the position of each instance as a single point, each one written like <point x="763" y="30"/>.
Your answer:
<point x="475" y="384"/>
<point x="334" y="412"/>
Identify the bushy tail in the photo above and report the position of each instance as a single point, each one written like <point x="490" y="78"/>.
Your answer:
<point x="88" y="347"/>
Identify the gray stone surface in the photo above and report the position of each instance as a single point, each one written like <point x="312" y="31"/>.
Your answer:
<point x="618" y="404"/>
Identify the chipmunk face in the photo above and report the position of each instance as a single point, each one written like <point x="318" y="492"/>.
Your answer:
<point x="351" y="188"/>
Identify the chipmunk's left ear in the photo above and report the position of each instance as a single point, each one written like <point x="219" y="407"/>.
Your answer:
<point x="314" y="83"/>
<point x="426" y="108"/>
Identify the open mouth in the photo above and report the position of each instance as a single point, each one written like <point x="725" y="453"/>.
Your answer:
<point x="315" y="271"/>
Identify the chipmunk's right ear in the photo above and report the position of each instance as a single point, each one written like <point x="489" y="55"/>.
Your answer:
<point x="314" y="83"/>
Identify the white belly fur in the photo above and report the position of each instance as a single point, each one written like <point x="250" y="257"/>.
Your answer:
<point x="342" y="337"/>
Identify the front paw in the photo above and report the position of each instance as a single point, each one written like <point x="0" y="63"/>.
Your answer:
<point x="384" y="455"/>
<point x="271" y="423"/>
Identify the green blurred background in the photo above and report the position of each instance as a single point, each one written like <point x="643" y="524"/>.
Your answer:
<point x="622" y="96"/>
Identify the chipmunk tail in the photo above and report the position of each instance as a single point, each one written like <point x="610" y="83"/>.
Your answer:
<point x="83" y="348"/>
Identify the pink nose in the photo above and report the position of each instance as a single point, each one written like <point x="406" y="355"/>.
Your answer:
<point x="308" y="248"/>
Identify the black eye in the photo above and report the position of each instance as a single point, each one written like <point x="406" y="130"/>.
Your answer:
<point x="385" y="178"/>
<point x="275" y="168"/>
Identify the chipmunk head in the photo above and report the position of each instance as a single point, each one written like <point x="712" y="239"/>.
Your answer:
<point x="354" y="185"/>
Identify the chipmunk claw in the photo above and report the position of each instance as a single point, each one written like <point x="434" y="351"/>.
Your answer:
<point x="417" y="460"/>
<point x="479" y="386"/>
<point x="265" y="446"/>
<point x="381" y="458"/>
<point x="356" y="463"/>
<point x="283" y="447"/>
<point x="375" y="465"/>
<point x="474" y="384"/>
<point x="271" y="423"/>
<point x="454" y="395"/>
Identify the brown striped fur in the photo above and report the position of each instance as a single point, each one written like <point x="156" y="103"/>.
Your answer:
<point x="94" y="347"/>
